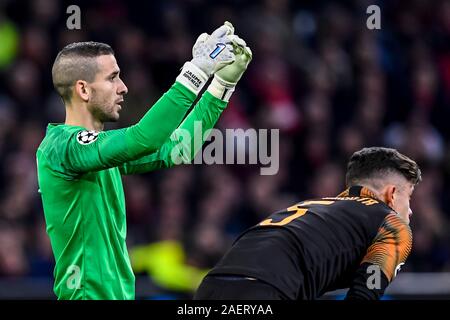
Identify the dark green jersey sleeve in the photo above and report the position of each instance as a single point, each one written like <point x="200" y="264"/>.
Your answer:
<point x="186" y="140"/>
<point x="92" y="151"/>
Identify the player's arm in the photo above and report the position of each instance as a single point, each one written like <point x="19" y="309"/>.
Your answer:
<point x="187" y="140"/>
<point x="384" y="257"/>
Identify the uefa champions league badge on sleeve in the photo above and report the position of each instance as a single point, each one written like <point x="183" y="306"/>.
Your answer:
<point x="87" y="137"/>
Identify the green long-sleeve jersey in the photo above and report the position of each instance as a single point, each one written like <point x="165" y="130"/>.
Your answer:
<point x="79" y="176"/>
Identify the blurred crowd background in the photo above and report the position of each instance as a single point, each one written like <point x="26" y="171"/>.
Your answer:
<point x="331" y="86"/>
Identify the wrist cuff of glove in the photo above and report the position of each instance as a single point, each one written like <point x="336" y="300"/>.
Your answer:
<point x="221" y="89"/>
<point x="192" y="77"/>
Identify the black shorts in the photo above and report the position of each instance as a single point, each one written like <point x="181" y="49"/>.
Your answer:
<point x="230" y="287"/>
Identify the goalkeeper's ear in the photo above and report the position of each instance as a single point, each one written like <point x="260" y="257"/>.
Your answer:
<point x="82" y="90"/>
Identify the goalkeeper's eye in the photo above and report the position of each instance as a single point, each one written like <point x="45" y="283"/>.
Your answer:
<point x="114" y="75"/>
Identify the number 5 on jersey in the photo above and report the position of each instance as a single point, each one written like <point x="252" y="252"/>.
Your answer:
<point x="298" y="213"/>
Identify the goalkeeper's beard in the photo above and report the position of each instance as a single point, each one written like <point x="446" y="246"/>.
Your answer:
<point x="103" y="111"/>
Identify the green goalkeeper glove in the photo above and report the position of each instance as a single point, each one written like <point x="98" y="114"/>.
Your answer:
<point x="225" y="79"/>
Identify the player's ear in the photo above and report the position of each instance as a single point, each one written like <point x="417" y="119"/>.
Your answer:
<point x="388" y="194"/>
<point x="82" y="90"/>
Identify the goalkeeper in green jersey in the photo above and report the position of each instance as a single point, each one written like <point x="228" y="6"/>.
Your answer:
<point x="80" y="165"/>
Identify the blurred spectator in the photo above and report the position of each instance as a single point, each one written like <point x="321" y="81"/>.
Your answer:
<point x="13" y="258"/>
<point x="9" y="38"/>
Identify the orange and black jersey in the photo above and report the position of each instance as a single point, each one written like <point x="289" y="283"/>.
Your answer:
<point x="323" y="244"/>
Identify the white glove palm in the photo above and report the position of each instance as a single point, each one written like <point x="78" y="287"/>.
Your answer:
<point x="212" y="52"/>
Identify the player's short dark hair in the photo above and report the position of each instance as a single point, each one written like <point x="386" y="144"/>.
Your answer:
<point x="379" y="162"/>
<point x="76" y="61"/>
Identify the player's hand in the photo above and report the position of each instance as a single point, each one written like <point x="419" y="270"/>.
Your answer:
<point x="224" y="82"/>
<point x="230" y="74"/>
<point x="213" y="52"/>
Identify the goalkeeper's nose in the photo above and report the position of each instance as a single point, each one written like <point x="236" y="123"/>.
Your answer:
<point x="122" y="88"/>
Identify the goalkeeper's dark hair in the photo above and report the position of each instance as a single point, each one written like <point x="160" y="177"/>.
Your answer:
<point x="74" y="62"/>
<point x="373" y="163"/>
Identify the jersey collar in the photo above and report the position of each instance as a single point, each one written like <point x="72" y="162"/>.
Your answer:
<point x="359" y="191"/>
